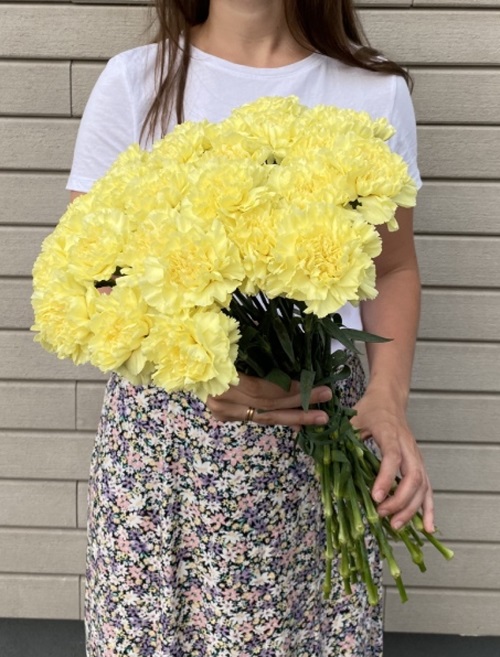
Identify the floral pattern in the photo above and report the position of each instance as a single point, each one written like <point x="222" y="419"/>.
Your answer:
<point x="205" y="539"/>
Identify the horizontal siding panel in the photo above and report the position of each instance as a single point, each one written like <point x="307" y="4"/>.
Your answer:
<point x="81" y="504"/>
<point x="37" y="143"/>
<point x="22" y="358"/>
<point x="459" y="261"/>
<point x="20" y="246"/>
<point x="24" y="88"/>
<point x="83" y="78"/>
<point x="442" y="417"/>
<point x="83" y="32"/>
<point x="15" y="304"/>
<point x="37" y="503"/>
<point x="89" y="399"/>
<point x="43" y="405"/>
<point x="456" y="3"/>
<point x="42" y="551"/>
<point x="459" y="151"/>
<point x="458" y="207"/>
<point x="460" y="315"/>
<point x="99" y="32"/>
<point x="463" y="468"/>
<point x="465" y="37"/>
<point x="461" y="367"/>
<point x="468" y="517"/>
<point x="444" y="612"/>
<point x="38" y="455"/>
<point x="32" y="198"/>
<point x="39" y="596"/>
<point x="472" y="567"/>
<point x="456" y="96"/>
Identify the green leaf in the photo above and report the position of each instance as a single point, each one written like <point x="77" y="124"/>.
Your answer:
<point x="280" y="378"/>
<point x="283" y="337"/>
<point x="306" y="385"/>
<point x="339" y="334"/>
<point x="363" y="336"/>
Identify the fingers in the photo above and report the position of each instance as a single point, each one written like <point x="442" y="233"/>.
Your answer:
<point x="273" y="405"/>
<point x="413" y="491"/>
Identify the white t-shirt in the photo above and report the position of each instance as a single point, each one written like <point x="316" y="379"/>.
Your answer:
<point x="121" y="97"/>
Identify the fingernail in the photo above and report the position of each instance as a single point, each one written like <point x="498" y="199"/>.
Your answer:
<point x="321" y="418"/>
<point x="378" y="495"/>
<point x="326" y="395"/>
<point x="398" y="524"/>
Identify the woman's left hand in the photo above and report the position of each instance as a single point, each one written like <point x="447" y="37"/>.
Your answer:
<point x="385" y="421"/>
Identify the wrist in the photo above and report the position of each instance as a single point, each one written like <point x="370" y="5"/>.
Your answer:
<point x="393" y="389"/>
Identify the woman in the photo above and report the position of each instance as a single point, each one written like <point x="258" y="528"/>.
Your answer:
<point x="204" y="529"/>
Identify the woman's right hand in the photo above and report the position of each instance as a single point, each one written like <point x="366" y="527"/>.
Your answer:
<point x="272" y="404"/>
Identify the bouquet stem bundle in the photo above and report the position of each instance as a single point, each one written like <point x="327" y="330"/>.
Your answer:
<point x="299" y="348"/>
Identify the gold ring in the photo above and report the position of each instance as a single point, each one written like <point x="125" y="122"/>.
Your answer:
<point x="249" y="414"/>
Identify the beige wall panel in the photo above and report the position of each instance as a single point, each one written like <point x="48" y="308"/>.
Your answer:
<point x="15" y="305"/>
<point x="83" y="32"/>
<point x="42" y="405"/>
<point x="37" y="143"/>
<point x="449" y="417"/>
<point x="35" y="88"/>
<point x="444" y="612"/>
<point x="98" y="32"/>
<point x="463" y="468"/>
<point x="456" y="96"/>
<point x="456" y="3"/>
<point x="20" y="248"/>
<point x="83" y="78"/>
<point x="460" y="315"/>
<point x="461" y="367"/>
<point x="89" y="398"/>
<point x="465" y="37"/>
<point x="82" y="597"/>
<point x="459" y="152"/>
<point x="21" y="358"/>
<point x="459" y="261"/>
<point x="458" y="207"/>
<point x="37" y="503"/>
<point x="32" y="198"/>
<point x="39" y="596"/>
<point x="42" y="551"/>
<point x="81" y="504"/>
<point x="468" y="517"/>
<point x="472" y="567"/>
<point x="51" y="455"/>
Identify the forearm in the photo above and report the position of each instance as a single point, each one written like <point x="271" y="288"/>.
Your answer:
<point x="393" y="314"/>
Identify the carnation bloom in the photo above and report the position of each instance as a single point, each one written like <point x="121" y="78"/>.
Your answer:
<point x="194" y="352"/>
<point x="197" y="266"/>
<point x="119" y="324"/>
<point x="324" y="257"/>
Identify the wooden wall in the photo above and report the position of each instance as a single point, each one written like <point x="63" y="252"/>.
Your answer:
<point x="50" y="56"/>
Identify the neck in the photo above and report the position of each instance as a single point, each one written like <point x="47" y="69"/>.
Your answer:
<point x="249" y="32"/>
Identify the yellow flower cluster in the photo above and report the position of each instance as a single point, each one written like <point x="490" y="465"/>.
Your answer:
<point x="277" y="198"/>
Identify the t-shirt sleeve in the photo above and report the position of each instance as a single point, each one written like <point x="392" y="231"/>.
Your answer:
<point x="402" y="117"/>
<point x="107" y="128"/>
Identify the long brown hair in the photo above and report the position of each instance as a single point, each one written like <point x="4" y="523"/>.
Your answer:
<point x="330" y="27"/>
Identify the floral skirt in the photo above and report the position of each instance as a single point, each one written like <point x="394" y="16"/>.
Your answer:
<point x="206" y="538"/>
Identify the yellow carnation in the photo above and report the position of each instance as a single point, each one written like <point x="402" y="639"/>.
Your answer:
<point x="119" y="324"/>
<point x="224" y="188"/>
<point x="324" y="257"/>
<point x="62" y="315"/>
<point x="194" y="352"/>
<point x="94" y="243"/>
<point x="197" y="266"/>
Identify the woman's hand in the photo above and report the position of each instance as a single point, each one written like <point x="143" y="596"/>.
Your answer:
<point x="273" y="404"/>
<point x="385" y="421"/>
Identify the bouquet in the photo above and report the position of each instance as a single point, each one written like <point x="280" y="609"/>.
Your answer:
<point x="230" y="248"/>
